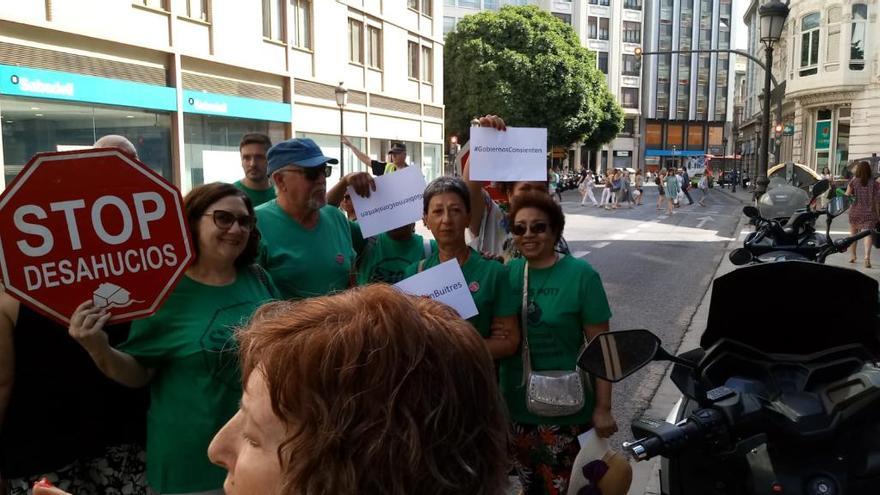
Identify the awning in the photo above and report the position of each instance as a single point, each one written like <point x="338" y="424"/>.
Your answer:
<point x="674" y="153"/>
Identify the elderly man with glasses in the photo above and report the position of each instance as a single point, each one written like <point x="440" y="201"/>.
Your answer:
<point x="306" y="244"/>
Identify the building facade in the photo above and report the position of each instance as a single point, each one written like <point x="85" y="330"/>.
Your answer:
<point x="612" y="29"/>
<point x="827" y="65"/>
<point x="687" y="103"/>
<point x="185" y="79"/>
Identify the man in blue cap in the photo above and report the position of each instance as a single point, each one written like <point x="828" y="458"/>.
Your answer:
<point x="306" y="245"/>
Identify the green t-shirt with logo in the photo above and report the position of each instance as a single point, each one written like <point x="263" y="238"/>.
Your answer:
<point x="564" y="297"/>
<point x="257" y="196"/>
<point x="305" y="262"/>
<point x="386" y="260"/>
<point x="197" y="383"/>
<point x="489" y="286"/>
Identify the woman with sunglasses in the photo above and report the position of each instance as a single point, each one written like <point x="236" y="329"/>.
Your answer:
<point x="447" y="213"/>
<point x="186" y="351"/>
<point x="565" y="304"/>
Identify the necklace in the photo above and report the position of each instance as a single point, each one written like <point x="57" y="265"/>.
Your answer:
<point x="531" y="305"/>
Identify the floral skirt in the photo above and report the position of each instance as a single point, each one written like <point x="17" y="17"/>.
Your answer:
<point x="119" y="471"/>
<point x="543" y="456"/>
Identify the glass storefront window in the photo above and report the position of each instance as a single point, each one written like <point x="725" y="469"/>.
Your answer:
<point x="432" y="164"/>
<point x="211" y="146"/>
<point x="31" y="125"/>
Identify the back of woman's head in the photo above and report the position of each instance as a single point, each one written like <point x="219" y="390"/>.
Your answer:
<point x="382" y="392"/>
<point x="863" y="172"/>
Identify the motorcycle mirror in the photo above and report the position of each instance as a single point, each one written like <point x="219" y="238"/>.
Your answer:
<point x="740" y="256"/>
<point x="751" y="212"/>
<point x="820" y="188"/>
<point x="838" y="205"/>
<point x="614" y="356"/>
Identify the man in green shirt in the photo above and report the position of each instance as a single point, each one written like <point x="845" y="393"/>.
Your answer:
<point x="306" y="245"/>
<point x="255" y="184"/>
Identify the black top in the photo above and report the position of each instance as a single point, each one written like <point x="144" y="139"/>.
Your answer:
<point x="378" y="167"/>
<point x="62" y="407"/>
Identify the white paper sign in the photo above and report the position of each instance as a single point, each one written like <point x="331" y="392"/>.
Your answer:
<point x="445" y="283"/>
<point x="397" y="201"/>
<point x="520" y="153"/>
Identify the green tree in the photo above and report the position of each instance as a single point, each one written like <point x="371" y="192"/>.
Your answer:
<point x="529" y="67"/>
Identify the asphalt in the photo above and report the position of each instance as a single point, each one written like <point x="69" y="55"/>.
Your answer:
<point x="646" y="479"/>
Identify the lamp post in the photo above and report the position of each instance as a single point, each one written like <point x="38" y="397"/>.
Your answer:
<point x="341" y="100"/>
<point x="773" y="15"/>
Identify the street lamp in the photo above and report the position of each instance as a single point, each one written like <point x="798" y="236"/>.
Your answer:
<point x="341" y="100"/>
<point x="773" y="15"/>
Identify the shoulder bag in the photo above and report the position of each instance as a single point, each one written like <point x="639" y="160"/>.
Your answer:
<point x="550" y="393"/>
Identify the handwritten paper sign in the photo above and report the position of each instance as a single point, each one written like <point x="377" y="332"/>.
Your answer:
<point x="520" y="153"/>
<point x="397" y="201"/>
<point x="445" y="283"/>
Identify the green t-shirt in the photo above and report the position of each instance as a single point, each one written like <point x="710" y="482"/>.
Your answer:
<point x="566" y="297"/>
<point x="386" y="260"/>
<point x="306" y="262"/>
<point x="197" y="386"/>
<point x="489" y="285"/>
<point x="257" y="196"/>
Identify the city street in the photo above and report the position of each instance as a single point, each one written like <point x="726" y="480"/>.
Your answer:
<point x="655" y="268"/>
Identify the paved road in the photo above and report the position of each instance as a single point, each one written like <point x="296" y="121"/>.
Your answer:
<point x="655" y="269"/>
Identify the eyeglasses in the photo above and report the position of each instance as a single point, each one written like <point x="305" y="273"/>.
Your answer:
<point x="224" y="220"/>
<point x="312" y="173"/>
<point x="346" y="198"/>
<point x="520" y="229"/>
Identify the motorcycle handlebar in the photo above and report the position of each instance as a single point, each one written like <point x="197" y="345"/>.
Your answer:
<point x="674" y="438"/>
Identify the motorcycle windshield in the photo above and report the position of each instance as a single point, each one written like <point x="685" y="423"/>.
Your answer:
<point x="782" y="199"/>
<point x="793" y="307"/>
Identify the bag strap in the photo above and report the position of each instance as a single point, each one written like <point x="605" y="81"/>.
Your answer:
<point x="421" y="266"/>
<point x="262" y="276"/>
<point x="426" y="246"/>
<point x="524" y="323"/>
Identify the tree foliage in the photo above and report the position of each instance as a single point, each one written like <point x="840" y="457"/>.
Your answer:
<point x="529" y="67"/>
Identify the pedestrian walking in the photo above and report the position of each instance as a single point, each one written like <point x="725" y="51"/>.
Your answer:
<point x="686" y="186"/>
<point x="639" y="192"/>
<point x="586" y="189"/>
<point x="606" y="192"/>
<point x="660" y="181"/>
<point x="865" y="211"/>
<point x="616" y="184"/>
<point x="704" y="188"/>
<point x="673" y="188"/>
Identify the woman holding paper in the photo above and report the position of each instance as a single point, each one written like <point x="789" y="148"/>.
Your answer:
<point x="564" y="305"/>
<point x="447" y="213"/>
<point x="186" y="351"/>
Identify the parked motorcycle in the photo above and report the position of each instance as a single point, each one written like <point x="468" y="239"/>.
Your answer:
<point x="795" y="237"/>
<point x="783" y="394"/>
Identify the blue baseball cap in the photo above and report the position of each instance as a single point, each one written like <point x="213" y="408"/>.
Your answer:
<point x="302" y="152"/>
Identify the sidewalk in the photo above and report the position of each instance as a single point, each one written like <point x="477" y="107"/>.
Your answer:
<point x="646" y="479"/>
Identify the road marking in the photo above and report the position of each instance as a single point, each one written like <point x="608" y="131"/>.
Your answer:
<point x="600" y="245"/>
<point x="703" y="220"/>
<point x="580" y="254"/>
<point x="643" y="225"/>
<point x="662" y="217"/>
<point x="618" y="237"/>
<point x="632" y="231"/>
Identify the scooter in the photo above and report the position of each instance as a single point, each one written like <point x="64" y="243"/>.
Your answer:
<point x="782" y="397"/>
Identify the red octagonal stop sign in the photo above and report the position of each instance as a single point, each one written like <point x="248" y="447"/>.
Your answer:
<point x="92" y="225"/>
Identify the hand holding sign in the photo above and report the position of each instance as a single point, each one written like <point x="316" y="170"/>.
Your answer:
<point x="91" y="225"/>
<point x="507" y="156"/>
<point x="395" y="202"/>
<point x="445" y="283"/>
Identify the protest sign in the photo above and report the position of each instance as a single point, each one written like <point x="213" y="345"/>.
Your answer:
<point x="92" y="225"/>
<point x="397" y="201"/>
<point x="445" y="283"/>
<point x="520" y="153"/>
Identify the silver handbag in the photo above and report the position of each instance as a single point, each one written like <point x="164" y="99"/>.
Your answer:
<point x="550" y="393"/>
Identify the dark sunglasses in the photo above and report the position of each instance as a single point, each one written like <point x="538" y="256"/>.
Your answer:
<point x="312" y="173"/>
<point x="520" y="229"/>
<point x="224" y="220"/>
